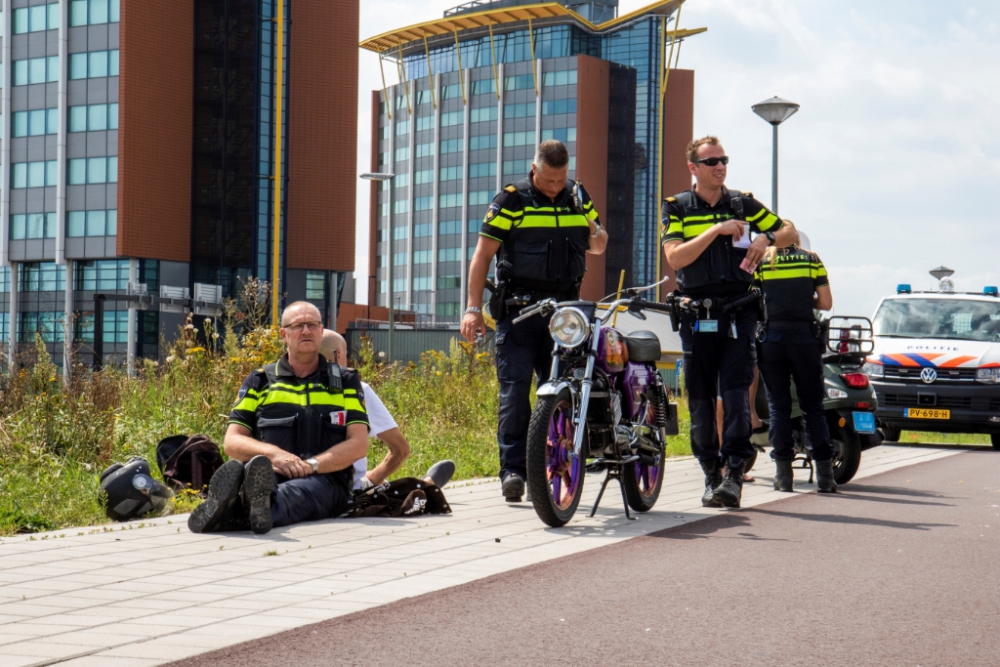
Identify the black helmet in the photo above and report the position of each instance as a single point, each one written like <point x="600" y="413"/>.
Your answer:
<point x="131" y="491"/>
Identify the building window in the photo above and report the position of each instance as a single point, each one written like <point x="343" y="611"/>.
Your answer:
<point x="423" y="203"/>
<point x="563" y="134"/>
<point x="450" y="227"/>
<point x="47" y="324"/>
<point x="93" y="64"/>
<point x="399" y="284"/>
<point x="401" y="206"/>
<point x="483" y="169"/>
<point x="101" y="275"/>
<point x="451" y="146"/>
<point x="425" y="122"/>
<point x="558" y="106"/>
<point x="451" y="118"/>
<point x="518" y="139"/>
<point x="451" y="173"/>
<point x="448" y="201"/>
<point x="423" y="176"/>
<point x="451" y="92"/>
<point x="93" y="118"/>
<point x="422" y="284"/>
<point x="423" y="97"/>
<point x="36" y="70"/>
<point x="483" y="86"/>
<point x="87" y="171"/>
<point x="400" y="233"/>
<point x="450" y="255"/>
<point x="115" y="327"/>
<point x="5" y="279"/>
<point x="474" y="226"/>
<point x="36" y="123"/>
<point x="484" y="114"/>
<point x="91" y="12"/>
<point x="516" y="167"/>
<point x="402" y="127"/>
<point x="401" y="180"/>
<point x="565" y="78"/>
<point x="42" y="277"/>
<point x="92" y="223"/>
<point x="481" y="197"/>
<point x="32" y="226"/>
<point x="34" y="174"/>
<point x="519" y="82"/>
<point x="423" y="229"/>
<point x="449" y="282"/>
<point x="449" y="309"/>
<point x="521" y="110"/>
<point x="422" y="257"/>
<point x="316" y="285"/>
<point x="402" y="153"/>
<point x="483" y="142"/>
<point x="4" y="327"/>
<point x="399" y="259"/>
<point x="39" y="17"/>
<point x="425" y="150"/>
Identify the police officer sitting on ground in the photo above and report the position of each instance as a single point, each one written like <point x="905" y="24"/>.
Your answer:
<point x="540" y="230"/>
<point x="790" y="347"/>
<point x="383" y="427"/>
<point x="296" y="430"/>
<point x="706" y="240"/>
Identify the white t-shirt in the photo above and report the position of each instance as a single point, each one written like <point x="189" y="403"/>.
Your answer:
<point x="379" y="420"/>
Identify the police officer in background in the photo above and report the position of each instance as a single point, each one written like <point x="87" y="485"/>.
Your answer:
<point x="790" y="346"/>
<point x="539" y="229"/>
<point x="706" y="241"/>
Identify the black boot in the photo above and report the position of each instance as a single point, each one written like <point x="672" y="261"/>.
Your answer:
<point x="713" y="478"/>
<point x="223" y="492"/>
<point x="783" y="476"/>
<point x="256" y="494"/>
<point x="824" y="477"/>
<point x="729" y="492"/>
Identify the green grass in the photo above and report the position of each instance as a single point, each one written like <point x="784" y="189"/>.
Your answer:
<point x="944" y="438"/>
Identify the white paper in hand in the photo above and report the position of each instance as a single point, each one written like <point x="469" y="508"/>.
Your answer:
<point x="744" y="241"/>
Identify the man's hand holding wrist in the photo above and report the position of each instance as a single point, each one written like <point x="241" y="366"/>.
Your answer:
<point x="473" y="324"/>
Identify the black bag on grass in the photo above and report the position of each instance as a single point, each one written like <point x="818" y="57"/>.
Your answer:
<point x="188" y="461"/>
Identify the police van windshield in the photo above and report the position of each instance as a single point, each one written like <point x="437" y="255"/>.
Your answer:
<point x="957" y="319"/>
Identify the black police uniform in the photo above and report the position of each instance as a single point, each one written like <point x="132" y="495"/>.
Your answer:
<point x="306" y="417"/>
<point x="715" y="362"/>
<point x="789" y="348"/>
<point x="542" y="255"/>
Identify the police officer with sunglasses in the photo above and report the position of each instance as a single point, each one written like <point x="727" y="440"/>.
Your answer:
<point x="707" y="241"/>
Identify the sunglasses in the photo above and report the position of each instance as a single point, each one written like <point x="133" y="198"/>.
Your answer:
<point x="713" y="161"/>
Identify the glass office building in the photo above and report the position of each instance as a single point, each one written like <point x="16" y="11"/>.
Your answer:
<point x="479" y="95"/>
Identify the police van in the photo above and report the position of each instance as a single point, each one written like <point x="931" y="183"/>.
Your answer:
<point x="936" y="362"/>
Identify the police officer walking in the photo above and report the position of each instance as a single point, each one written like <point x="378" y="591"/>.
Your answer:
<point x="539" y="229"/>
<point x="790" y="347"/>
<point x="706" y="241"/>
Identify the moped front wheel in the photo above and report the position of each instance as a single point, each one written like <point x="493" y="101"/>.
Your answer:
<point x="643" y="481"/>
<point x="555" y="476"/>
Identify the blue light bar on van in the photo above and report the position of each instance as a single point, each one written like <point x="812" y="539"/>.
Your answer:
<point x="991" y="290"/>
<point x="903" y="289"/>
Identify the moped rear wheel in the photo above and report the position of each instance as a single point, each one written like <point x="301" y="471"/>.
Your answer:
<point x="643" y="481"/>
<point x="555" y="476"/>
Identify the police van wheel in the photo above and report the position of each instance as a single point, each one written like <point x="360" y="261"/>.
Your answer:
<point x="555" y="476"/>
<point x="995" y="439"/>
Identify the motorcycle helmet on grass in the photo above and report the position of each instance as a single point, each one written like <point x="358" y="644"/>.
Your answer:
<point x="130" y="491"/>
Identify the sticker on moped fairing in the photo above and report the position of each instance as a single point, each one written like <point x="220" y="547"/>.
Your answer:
<point x="706" y="326"/>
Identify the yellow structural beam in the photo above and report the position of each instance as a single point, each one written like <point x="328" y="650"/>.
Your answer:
<point x="279" y="83"/>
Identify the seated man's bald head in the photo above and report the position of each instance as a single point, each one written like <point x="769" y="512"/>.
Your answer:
<point x="333" y="347"/>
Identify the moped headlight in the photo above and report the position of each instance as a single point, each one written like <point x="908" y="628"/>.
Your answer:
<point x="568" y="327"/>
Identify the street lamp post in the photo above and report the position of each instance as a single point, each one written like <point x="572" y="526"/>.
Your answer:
<point x="382" y="178"/>
<point x="775" y="111"/>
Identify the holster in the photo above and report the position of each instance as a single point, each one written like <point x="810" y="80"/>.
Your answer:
<point x="498" y="302"/>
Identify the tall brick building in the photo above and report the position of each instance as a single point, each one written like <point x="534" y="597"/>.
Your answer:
<point x="138" y="146"/>
<point x="484" y="85"/>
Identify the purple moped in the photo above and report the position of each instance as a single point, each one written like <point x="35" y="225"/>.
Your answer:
<point x="605" y="403"/>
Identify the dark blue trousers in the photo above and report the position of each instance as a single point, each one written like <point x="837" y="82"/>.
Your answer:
<point x="522" y="350"/>
<point x="714" y="365"/>
<point x="786" y="355"/>
<point x="309" y="498"/>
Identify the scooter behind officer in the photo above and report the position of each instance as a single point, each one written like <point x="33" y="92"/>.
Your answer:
<point x="706" y="240"/>
<point x="540" y="230"/>
<point x="790" y="346"/>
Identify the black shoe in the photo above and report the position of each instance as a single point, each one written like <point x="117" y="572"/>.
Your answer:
<point x="824" y="477"/>
<point x="512" y="488"/>
<point x="223" y="492"/>
<point x="257" y="493"/>
<point x="713" y="478"/>
<point x="731" y="490"/>
<point x="783" y="476"/>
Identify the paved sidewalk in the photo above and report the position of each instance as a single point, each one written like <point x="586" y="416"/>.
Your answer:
<point x="147" y="593"/>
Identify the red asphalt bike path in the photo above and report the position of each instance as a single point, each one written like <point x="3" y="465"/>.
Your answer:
<point x="898" y="569"/>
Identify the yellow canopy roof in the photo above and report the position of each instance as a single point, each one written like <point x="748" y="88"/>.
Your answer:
<point x="544" y="13"/>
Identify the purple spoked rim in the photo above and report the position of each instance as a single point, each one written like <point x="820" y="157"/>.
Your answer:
<point x="564" y="471"/>
<point x="647" y="476"/>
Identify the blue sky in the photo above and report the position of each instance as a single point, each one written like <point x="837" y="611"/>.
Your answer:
<point x="892" y="166"/>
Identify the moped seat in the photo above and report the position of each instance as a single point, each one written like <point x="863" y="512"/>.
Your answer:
<point x="643" y="346"/>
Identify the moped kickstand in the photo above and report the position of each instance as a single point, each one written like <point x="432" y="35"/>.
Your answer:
<point x="614" y="471"/>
